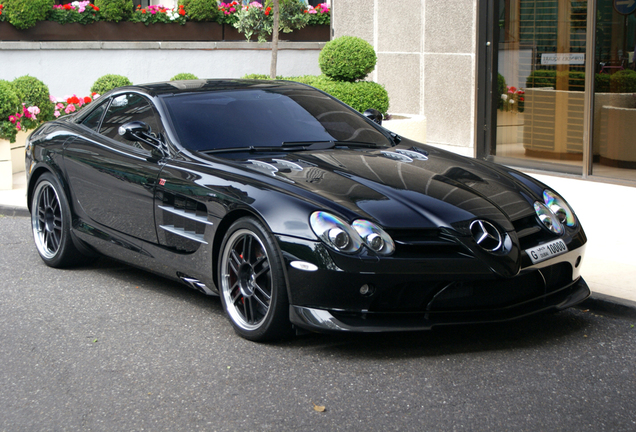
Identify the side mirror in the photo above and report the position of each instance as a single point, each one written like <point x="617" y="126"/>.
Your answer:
<point x="374" y="115"/>
<point x="134" y="131"/>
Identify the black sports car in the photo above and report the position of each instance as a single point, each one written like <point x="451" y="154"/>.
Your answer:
<point x="298" y="211"/>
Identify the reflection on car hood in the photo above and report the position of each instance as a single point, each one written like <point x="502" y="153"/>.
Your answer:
<point x="440" y="189"/>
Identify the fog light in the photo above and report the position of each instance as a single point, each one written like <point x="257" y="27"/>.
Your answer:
<point x="367" y="290"/>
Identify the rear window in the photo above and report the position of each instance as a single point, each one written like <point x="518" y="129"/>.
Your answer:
<point x="264" y="118"/>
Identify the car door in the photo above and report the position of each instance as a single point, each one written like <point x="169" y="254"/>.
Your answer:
<point x="112" y="179"/>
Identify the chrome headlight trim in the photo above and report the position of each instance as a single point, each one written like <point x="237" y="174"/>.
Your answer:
<point x="374" y="237"/>
<point x="559" y="207"/>
<point x="548" y="219"/>
<point x="335" y="232"/>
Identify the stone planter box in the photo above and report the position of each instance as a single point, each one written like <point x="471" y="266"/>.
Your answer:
<point x="45" y="31"/>
<point x="11" y="159"/>
<point x="6" y="171"/>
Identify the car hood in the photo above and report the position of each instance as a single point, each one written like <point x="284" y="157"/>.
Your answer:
<point x="428" y="189"/>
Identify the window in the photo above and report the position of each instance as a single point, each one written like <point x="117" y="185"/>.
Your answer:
<point x="126" y="108"/>
<point x="92" y="120"/>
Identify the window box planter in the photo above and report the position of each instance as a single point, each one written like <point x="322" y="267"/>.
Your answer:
<point x="45" y="31"/>
<point x="317" y="33"/>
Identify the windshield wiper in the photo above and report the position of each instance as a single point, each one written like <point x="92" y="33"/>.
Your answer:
<point x="293" y="146"/>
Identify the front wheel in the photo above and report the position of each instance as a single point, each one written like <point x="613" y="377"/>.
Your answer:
<point x="51" y="224"/>
<point x="252" y="284"/>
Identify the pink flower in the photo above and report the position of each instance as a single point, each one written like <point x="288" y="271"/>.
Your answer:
<point x="12" y="119"/>
<point x="18" y="126"/>
<point x="52" y="98"/>
<point x="59" y="106"/>
<point x="56" y="113"/>
<point x="69" y="109"/>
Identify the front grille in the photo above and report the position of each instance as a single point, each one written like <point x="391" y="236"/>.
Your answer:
<point x="530" y="233"/>
<point x="423" y="243"/>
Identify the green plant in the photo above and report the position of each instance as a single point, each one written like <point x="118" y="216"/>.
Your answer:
<point x="33" y="92"/>
<point x="158" y="14"/>
<point x="9" y="106"/>
<point x="601" y="83"/>
<point x="360" y="95"/>
<point x="80" y="12"/>
<point x="115" y="10"/>
<point x="184" y="76"/>
<point x="24" y="14"/>
<point x="347" y="58"/>
<point x="501" y="90"/>
<point x="292" y="15"/>
<point x="109" y="82"/>
<point x="254" y="20"/>
<point x="623" y="81"/>
<point x="200" y="10"/>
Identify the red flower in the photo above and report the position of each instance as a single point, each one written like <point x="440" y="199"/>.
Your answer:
<point x="521" y="98"/>
<point x="68" y="6"/>
<point x="181" y="12"/>
<point x="87" y="100"/>
<point x="143" y="11"/>
<point x="268" y="10"/>
<point x="73" y="100"/>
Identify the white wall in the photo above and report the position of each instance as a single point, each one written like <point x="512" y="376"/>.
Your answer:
<point x="72" y="67"/>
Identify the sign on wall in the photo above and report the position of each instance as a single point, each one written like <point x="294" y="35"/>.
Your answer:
<point x="563" y="58"/>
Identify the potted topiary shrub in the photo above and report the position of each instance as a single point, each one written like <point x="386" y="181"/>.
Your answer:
<point x="347" y="58"/>
<point x="34" y="93"/>
<point x="108" y="82"/>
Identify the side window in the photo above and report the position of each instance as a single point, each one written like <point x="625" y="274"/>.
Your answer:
<point x="127" y="108"/>
<point x="92" y="120"/>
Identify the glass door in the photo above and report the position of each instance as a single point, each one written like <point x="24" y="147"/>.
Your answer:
<point x="541" y="84"/>
<point x="614" y="119"/>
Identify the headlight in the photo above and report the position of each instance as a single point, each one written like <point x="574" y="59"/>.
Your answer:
<point x="548" y="218"/>
<point x="335" y="232"/>
<point x="342" y="237"/>
<point x="374" y="237"/>
<point x="559" y="207"/>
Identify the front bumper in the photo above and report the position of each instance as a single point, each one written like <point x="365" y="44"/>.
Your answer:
<point x="321" y="320"/>
<point x="367" y="294"/>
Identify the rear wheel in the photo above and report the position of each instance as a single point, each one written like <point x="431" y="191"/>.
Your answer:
<point x="51" y="224"/>
<point x="252" y="284"/>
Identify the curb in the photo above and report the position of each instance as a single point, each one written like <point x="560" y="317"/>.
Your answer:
<point x="14" y="211"/>
<point x="610" y="305"/>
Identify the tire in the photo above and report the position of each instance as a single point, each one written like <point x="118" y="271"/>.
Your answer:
<point x="252" y="283"/>
<point x="51" y="224"/>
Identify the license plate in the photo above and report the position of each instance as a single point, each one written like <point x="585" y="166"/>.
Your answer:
<point x="547" y="251"/>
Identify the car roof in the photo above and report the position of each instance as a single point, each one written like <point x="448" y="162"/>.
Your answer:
<point x="205" y="85"/>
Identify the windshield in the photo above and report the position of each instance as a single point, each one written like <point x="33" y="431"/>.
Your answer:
<point x="265" y="118"/>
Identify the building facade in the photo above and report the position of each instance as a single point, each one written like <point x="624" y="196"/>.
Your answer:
<point x="538" y="84"/>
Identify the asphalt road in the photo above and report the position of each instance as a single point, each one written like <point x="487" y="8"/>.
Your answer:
<point x="109" y="348"/>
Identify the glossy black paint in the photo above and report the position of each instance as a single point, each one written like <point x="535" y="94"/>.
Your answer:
<point x="166" y="210"/>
